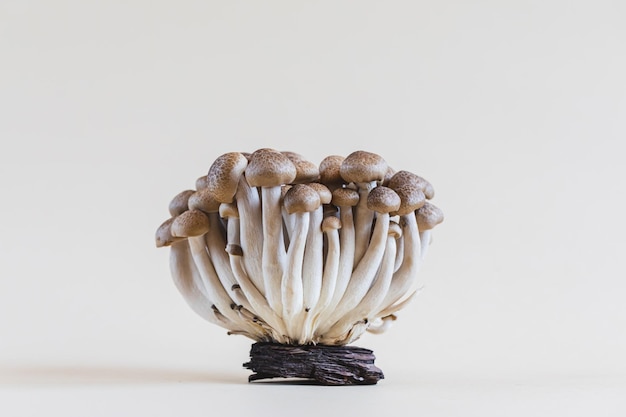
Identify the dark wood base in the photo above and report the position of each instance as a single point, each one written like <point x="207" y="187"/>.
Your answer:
<point x="323" y="365"/>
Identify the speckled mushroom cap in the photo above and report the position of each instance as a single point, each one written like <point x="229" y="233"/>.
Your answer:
<point x="411" y="198"/>
<point x="345" y="197"/>
<point x="410" y="188"/>
<point x="204" y="200"/>
<point x="301" y="198"/>
<point x="403" y="177"/>
<point x="330" y="223"/>
<point x="190" y="223"/>
<point x="362" y="166"/>
<point x="202" y="182"/>
<point x="383" y="200"/>
<point x="306" y="172"/>
<point x="269" y="168"/>
<point x="325" y="194"/>
<point x="428" y="216"/>
<point x="163" y="235"/>
<point x="224" y="175"/>
<point x="178" y="204"/>
<point x="330" y="170"/>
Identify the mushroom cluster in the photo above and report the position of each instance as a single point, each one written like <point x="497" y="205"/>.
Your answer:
<point x="273" y="247"/>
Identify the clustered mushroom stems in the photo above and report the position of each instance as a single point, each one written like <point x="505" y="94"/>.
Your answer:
<point x="273" y="247"/>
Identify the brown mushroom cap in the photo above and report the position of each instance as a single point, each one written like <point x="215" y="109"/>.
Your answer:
<point x="403" y="177"/>
<point x="330" y="223"/>
<point x="411" y="198"/>
<point x="395" y="230"/>
<point x="306" y="172"/>
<point x="202" y="182"/>
<point x="330" y="170"/>
<point x="325" y="194"/>
<point x="178" y="205"/>
<point x="383" y="200"/>
<point x="204" y="200"/>
<point x="269" y="168"/>
<point x="362" y="166"/>
<point x="163" y="235"/>
<point x="229" y="210"/>
<point x="190" y="223"/>
<point x="224" y="175"/>
<point x="345" y="197"/>
<point x="301" y="198"/>
<point x="293" y="156"/>
<point x="428" y="216"/>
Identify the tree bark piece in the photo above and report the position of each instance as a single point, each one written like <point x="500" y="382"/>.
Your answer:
<point x="325" y="365"/>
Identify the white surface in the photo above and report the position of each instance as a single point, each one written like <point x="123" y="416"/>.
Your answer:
<point x="515" y="111"/>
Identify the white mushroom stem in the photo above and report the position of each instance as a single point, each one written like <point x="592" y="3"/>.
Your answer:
<point x="292" y="287"/>
<point x="375" y="294"/>
<point x="274" y="253"/>
<point x="362" y="221"/>
<point x="250" y="218"/>
<point x="256" y="299"/>
<point x="189" y="283"/>
<point x="216" y="247"/>
<point x="288" y="225"/>
<point x="353" y="334"/>
<point x="258" y="302"/>
<point x="399" y="253"/>
<point x="214" y="288"/>
<point x="312" y="270"/>
<point x="399" y="305"/>
<point x="346" y="255"/>
<point x="425" y="239"/>
<point x="329" y="280"/>
<point x="403" y="278"/>
<point x="313" y="263"/>
<point x="364" y="273"/>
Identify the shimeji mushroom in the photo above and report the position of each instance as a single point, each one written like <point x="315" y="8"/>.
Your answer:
<point x="365" y="170"/>
<point x="276" y="248"/>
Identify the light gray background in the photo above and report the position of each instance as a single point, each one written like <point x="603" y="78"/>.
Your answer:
<point x="514" y="110"/>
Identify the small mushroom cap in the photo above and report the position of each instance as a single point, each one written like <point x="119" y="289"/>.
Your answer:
<point x="234" y="250"/>
<point x="229" y="210"/>
<point x="325" y="194"/>
<point x="224" y="175"/>
<point x="190" y="223"/>
<point x="163" y="235"/>
<point x="345" y="197"/>
<point x="362" y="166"/>
<point x="411" y="198"/>
<point x="301" y="198"/>
<point x="330" y="223"/>
<point x="330" y="170"/>
<point x="403" y="177"/>
<point x="204" y="200"/>
<point x="269" y="168"/>
<point x="202" y="182"/>
<point x="428" y="216"/>
<point x="306" y="172"/>
<point x="395" y="230"/>
<point x="178" y="205"/>
<point x="383" y="200"/>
